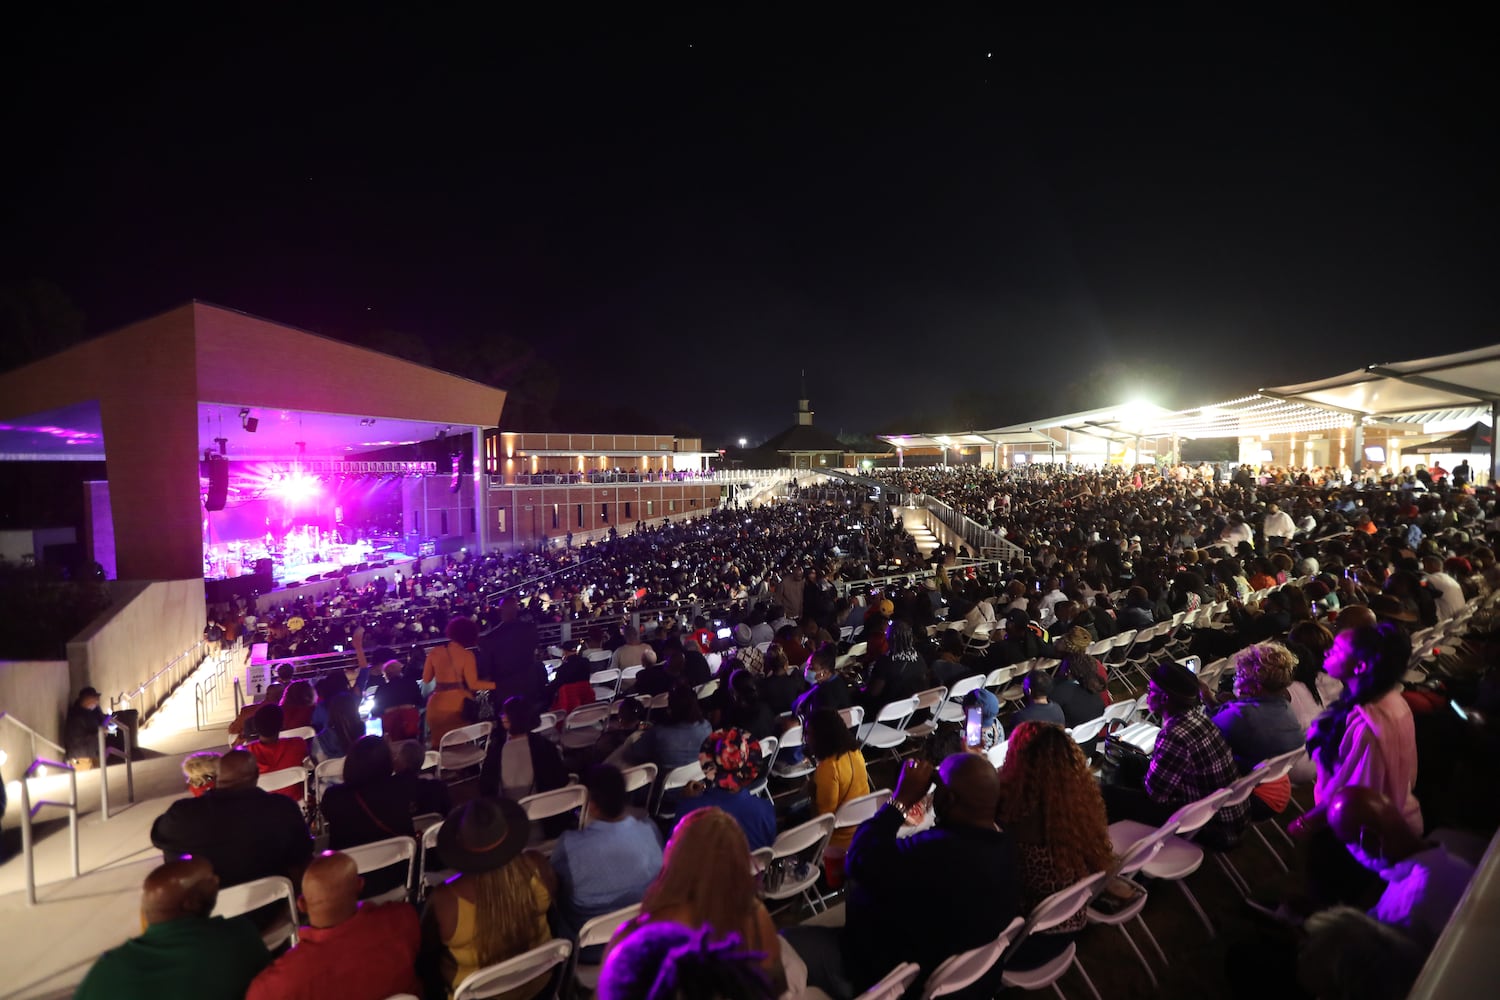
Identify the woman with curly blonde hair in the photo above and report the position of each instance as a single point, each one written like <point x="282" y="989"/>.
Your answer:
<point x="1051" y="809"/>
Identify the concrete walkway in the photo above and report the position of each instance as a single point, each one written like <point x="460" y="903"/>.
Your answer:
<point x="48" y="947"/>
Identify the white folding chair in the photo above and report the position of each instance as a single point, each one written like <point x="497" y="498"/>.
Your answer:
<point x="235" y="900"/>
<point x="1120" y="711"/>
<point x="606" y="683"/>
<point x="791" y="739"/>
<point x="810" y="838"/>
<point x="428" y="876"/>
<point x="952" y="709"/>
<point x="464" y="747"/>
<point x="1085" y="731"/>
<point x="627" y="677"/>
<point x="769" y="748"/>
<point x="582" y="727"/>
<point x="1178" y="857"/>
<point x="598" y="655"/>
<point x="383" y="854"/>
<point x="638" y="777"/>
<point x="1141" y="735"/>
<point x="596" y="932"/>
<point x="557" y="802"/>
<point x="492" y="980"/>
<point x="996" y="753"/>
<point x="857" y="810"/>
<point x="894" y="985"/>
<point x="678" y="777"/>
<point x="286" y="777"/>
<point x="930" y="700"/>
<point x="1134" y="857"/>
<point x="963" y="970"/>
<point x="707" y="690"/>
<point x="329" y="772"/>
<point x="300" y="733"/>
<point x="1055" y="909"/>
<point x="853" y="716"/>
<point x="888" y="730"/>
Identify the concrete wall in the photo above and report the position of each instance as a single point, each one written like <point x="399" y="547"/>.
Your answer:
<point x="148" y="626"/>
<point x="35" y="692"/>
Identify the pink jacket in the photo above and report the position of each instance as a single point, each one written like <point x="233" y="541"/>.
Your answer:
<point x="1379" y="750"/>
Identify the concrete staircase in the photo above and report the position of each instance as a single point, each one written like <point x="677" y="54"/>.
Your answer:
<point x="927" y="542"/>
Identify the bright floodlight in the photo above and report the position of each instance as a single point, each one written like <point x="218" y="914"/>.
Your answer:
<point x="296" y="488"/>
<point x="1134" y="413"/>
<point x="743" y="442"/>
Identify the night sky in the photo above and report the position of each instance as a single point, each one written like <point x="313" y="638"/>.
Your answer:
<point x="947" y="221"/>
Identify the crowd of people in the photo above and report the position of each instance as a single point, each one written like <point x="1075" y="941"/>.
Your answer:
<point x="1318" y="662"/>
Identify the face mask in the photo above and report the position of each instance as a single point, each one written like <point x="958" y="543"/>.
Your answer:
<point x="811" y="675"/>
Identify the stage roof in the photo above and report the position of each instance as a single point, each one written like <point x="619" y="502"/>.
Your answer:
<point x="339" y="400"/>
<point x="1110" y="423"/>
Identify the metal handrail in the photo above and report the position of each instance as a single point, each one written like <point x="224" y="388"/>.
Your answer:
<point x="7" y="717"/>
<point x="105" y="752"/>
<point x="175" y="668"/>
<point x="29" y="811"/>
<point x="971" y="531"/>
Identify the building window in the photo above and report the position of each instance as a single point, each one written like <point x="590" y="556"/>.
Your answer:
<point x="671" y="506"/>
<point x="580" y="515"/>
<point x="650" y="504"/>
<point x="627" y="510"/>
<point x="473" y="525"/>
<point x="555" y="515"/>
<point x="604" y="513"/>
<point x="416" y="522"/>
<point x="444" y="515"/>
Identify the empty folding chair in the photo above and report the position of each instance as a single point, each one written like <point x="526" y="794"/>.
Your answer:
<point x="1055" y="909"/>
<point x="857" y="810"/>
<point x="894" y="985"/>
<point x="627" y="677"/>
<point x="428" y="874"/>
<point x="234" y="900"/>
<point x="967" y="968"/>
<point x="800" y="851"/>
<point x="328" y="773"/>
<point x="300" y="733"/>
<point x="792" y="765"/>
<point x="493" y="980"/>
<point x="769" y="747"/>
<point x="1120" y="711"/>
<point x="463" y="747"/>
<point x="385" y="854"/>
<point x="1084" y="732"/>
<point x="557" y="802"/>
<point x="638" y="777"/>
<point x="599" y="656"/>
<point x="888" y="730"/>
<point x="582" y="727"/>
<point x="1134" y="857"/>
<point x="1178" y="857"/>
<point x="929" y="701"/>
<point x="593" y="934"/>
<point x="853" y="716"/>
<point x="606" y="683"/>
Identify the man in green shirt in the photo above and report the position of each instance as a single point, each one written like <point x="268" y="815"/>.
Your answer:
<point x="184" y="951"/>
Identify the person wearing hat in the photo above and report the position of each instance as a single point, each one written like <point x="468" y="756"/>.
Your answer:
<point x="1388" y="608"/>
<point x="745" y="656"/>
<point x="1191" y="760"/>
<point x="497" y="907"/>
<point x="81" y="729"/>
<point x="732" y="763"/>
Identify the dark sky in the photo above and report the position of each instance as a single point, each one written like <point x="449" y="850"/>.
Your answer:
<point x="940" y="218"/>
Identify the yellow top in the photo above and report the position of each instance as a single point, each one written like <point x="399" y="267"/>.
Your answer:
<point x="463" y="946"/>
<point x="835" y="782"/>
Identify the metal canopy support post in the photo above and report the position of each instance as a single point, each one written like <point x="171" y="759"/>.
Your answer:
<point x="1358" y="465"/>
<point x="1494" y="454"/>
<point x="481" y="495"/>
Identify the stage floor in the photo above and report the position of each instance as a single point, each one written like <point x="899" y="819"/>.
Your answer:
<point x="290" y="576"/>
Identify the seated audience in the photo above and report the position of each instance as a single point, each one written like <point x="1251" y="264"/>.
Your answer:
<point x="731" y="763"/>
<point x="743" y="708"/>
<point x="336" y="718"/>
<point x="990" y="732"/>
<point x="199" y="771"/>
<point x="272" y="753"/>
<point x="633" y="653"/>
<point x="297" y="705"/>
<point x="963" y="874"/>
<point x="826" y="689"/>
<point x="663" y="960"/>
<point x="1038" y="706"/>
<point x="370" y="804"/>
<point x="244" y="832"/>
<point x="705" y="882"/>
<point x="608" y="864"/>
<point x="570" y="688"/>
<point x="1190" y="760"/>
<point x="519" y="761"/>
<point x="900" y="673"/>
<point x="347" y="949"/>
<point x="1051" y="809"/>
<point x="1259" y="723"/>
<point x="676" y="741"/>
<point x="839" y="777"/>
<point x="424" y="795"/>
<point x="497" y="906"/>
<point x="1078" y="691"/>
<point x="783" y="682"/>
<point x="183" y="951"/>
<point x="398" y="703"/>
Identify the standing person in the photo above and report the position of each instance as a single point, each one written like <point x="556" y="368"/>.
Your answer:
<point x="510" y="666"/>
<point x="497" y="907"/>
<point x="81" y="729"/>
<point x="455" y="673"/>
<point x="184" y="950"/>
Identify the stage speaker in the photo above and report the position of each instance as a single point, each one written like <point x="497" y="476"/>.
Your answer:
<point x="218" y="484"/>
<point x="263" y="568"/>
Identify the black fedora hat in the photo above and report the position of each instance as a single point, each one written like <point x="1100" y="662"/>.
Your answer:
<point x="483" y="835"/>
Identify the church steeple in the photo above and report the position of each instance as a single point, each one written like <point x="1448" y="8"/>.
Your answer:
<point x="804" y="406"/>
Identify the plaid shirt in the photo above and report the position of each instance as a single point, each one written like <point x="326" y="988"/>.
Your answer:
<point x="1191" y="760"/>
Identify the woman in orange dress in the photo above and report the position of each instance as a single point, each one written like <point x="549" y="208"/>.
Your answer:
<point x="456" y="674"/>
